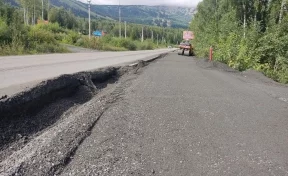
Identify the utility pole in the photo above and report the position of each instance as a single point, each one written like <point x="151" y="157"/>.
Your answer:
<point x="157" y="40"/>
<point x="119" y="20"/>
<point x="152" y="37"/>
<point x="244" y="8"/>
<point x="34" y="14"/>
<point x="89" y="6"/>
<point x="125" y="29"/>
<point x="42" y="10"/>
<point x="142" y="35"/>
<point x="48" y="10"/>
<point x="217" y="21"/>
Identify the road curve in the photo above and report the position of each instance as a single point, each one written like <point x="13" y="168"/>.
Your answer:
<point x="15" y="70"/>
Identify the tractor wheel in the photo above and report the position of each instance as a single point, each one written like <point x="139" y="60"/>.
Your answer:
<point x="186" y="53"/>
<point x="191" y="53"/>
<point x="180" y="52"/>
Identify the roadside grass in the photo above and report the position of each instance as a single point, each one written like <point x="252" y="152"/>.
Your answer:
<point x="109" y="43"/>
<point x="12" y="49"/>
<point x="48" y="38"/>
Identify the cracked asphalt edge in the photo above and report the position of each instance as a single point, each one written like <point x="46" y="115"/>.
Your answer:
<point x="49" y="152"/>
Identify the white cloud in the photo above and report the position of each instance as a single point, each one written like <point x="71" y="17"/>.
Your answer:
<point x="188" y="3"/>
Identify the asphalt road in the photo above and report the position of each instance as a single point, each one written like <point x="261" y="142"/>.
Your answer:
<point x="182" y="117"/>
<point x="16" y="70"/>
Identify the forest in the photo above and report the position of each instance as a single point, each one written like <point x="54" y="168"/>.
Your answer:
<point x="23" y="30"/>
<point x="244" y="34"/>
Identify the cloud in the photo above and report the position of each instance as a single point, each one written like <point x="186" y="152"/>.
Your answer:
<point x="188" y="3"/>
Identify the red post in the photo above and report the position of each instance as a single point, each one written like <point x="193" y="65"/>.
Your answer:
<point x="211" y="54"/>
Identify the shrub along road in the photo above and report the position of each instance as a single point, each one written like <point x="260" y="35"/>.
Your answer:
<point x="183" y="116"/>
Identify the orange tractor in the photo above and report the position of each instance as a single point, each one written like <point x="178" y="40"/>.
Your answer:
<point x="185" y="47"/>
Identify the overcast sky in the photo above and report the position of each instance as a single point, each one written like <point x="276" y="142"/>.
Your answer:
<point x="147" y="2"/>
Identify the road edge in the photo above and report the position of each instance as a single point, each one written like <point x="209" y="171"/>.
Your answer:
<point x="46" y="160"/>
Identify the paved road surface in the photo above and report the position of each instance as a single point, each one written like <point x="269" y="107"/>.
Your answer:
<point x="180" y="118"/>
<point x="15" y="70"/>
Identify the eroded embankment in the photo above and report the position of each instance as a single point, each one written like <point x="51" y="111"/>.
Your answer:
<point x="41" y="128"/>
<point x="20" y="117"/>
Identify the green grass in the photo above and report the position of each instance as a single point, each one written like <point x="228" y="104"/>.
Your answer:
<point x="109" y="43"/>
<point x="48" y="39"/>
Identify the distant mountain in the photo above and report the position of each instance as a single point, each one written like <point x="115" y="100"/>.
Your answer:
<point x="152" y="15"/>
<point x="177" y="17"/>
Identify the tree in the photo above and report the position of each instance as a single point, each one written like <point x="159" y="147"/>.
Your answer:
<point x="63" y="18"/>
<point x="245" y="34"/>
<point x="31" y="10"/>
<point x="135" y="33"/>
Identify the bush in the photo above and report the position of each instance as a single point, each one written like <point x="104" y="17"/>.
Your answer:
<point x="60" y="36"/>
<point x="12" y="49"/>
<point x="50" y="48"/>
<point x="51" y="27"/>
<point x="32" y="40"/>
<point x="41" y="36"/>
<point x="19" y="49"/>
<point x="146" y="45"/>
<point x="113" y="48"/>
<point x="106" y="38"/>
<point x="106" y="43"/>
<point x="80" y="42"/>
<point x="71" y="37"/>
<point x="128" y="44"/>
<point x="4" y="31"/>
<point x="94" y="43"/>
